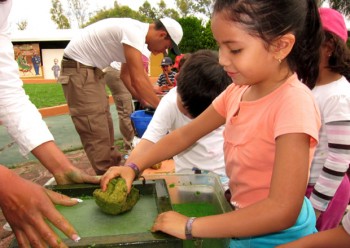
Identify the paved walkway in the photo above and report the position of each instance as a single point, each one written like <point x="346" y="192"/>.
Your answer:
<point x="63" y="130"/>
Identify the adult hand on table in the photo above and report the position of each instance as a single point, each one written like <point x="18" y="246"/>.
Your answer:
<point x="59" y="165"/>
<point x="28" y="207"/>
<point x="73" y="175"/>
<point x="118" y="171"/>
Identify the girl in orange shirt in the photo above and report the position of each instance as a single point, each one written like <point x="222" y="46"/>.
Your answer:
<point x="271" y="125"/>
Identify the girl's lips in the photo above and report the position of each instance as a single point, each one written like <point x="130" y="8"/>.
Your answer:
<point x="232" y="74"/>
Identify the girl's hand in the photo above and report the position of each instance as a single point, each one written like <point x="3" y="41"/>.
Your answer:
<point x="171" y="223"/>
<point x="118" y="171"/>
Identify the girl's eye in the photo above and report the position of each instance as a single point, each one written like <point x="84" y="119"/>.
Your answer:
<point x="236" y="51"/>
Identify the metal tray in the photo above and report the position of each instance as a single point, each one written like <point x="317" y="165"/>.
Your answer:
<point x="131" y="229"/>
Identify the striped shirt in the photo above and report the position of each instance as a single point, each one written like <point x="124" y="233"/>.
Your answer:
<point x="332" y="156"/>
<point x="162" y="79"/>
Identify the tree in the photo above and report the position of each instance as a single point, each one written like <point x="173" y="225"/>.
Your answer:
<point x="164" y="11"/>
<point x="57" y="15"/>
<point x="118" y="11"/>
<point x="147" y="10"/>
<point x="22" y="25"/>
<point x="204" y="7"/>
<point x="192" y="37"/>
<point x="79" y="9"/>
<point x="342" y="6"/>
<point x="208" y="41"/>
<point x="186" y="7"/>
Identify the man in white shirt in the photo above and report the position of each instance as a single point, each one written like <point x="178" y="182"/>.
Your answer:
<point x="92" y="50"/>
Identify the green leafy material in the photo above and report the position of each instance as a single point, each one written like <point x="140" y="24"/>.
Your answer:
<point x="115" y="199"/>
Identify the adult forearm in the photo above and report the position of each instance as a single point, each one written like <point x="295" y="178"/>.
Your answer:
<point x="52" y="157"/>
<point x="145" y="91"/>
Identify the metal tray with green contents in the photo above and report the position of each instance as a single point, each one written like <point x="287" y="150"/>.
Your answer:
<point x="197" y="195"/>
<point x="130" y="229"/>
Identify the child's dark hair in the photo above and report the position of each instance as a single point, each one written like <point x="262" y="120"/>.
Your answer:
<point x="183" y="59"/>
<point x="201" y="80"/>
<point x="339" y="61"/>
<point x="270" y="19"/>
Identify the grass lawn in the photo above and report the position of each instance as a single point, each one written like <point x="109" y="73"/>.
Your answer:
<point x="46" y="95"/>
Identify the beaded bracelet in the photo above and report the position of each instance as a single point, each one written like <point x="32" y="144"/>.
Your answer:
<point x="188" y="229"/>
<point x="135" y="168"/>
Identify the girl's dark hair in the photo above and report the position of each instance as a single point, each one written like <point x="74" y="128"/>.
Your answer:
<point x="201" y="80"/>
<point x="270" y="19"/>
<point x="2" y="1"/>
<point x="339" y="61"/>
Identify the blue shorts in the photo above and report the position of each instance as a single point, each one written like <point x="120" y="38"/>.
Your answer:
<point x="305" y="225"/>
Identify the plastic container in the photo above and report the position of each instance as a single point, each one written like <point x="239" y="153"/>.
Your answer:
<point x="197" y="195"/>
<point x="141" y="119"/>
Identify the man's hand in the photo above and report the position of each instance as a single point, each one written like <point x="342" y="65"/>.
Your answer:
<point x="74" y="175"/>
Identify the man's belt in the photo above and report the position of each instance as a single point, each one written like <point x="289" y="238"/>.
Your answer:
<point x="71" y="63"/>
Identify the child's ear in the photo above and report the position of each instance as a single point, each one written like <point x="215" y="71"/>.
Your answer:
<point x="329" y="46"/>
<point x="283" y="46"/>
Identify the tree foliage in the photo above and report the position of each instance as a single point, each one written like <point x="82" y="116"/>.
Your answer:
<point x="208" y="41"/>
<point x="342" y="6"/>
<point x="22" y="25"/>
<point x="147" y="10"/>
<point x="197" y="34"/>
<point x="186" y="7"/>
<point x="57" y="15"/>
<point x="79" y="9"/>
<point x="204" y="7"/>
<point x="117" y="12"/>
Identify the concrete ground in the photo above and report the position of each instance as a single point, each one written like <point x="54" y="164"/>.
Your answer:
<point x="63" y="130"/>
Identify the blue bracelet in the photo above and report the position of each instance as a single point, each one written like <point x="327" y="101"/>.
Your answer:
<point x="135" y="168"/>
<point x="188" y="229"/>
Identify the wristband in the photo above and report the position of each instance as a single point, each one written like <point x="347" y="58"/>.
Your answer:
<point x="135" y="168"/>
<point x="188" y="229"/>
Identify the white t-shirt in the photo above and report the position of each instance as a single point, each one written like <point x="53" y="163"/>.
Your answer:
<point x="101" y="43"/>
<point x="21" y="118"/>
<point x="334" y="103"/>
<point x="117" y="65"/>
<point x="206" y="154"/>
<point x="346" y="222"/>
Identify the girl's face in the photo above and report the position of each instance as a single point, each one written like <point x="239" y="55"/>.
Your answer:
<point x="244" y="57"/>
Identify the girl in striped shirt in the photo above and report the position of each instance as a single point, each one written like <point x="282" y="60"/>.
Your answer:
<point x="329" y="186"/>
